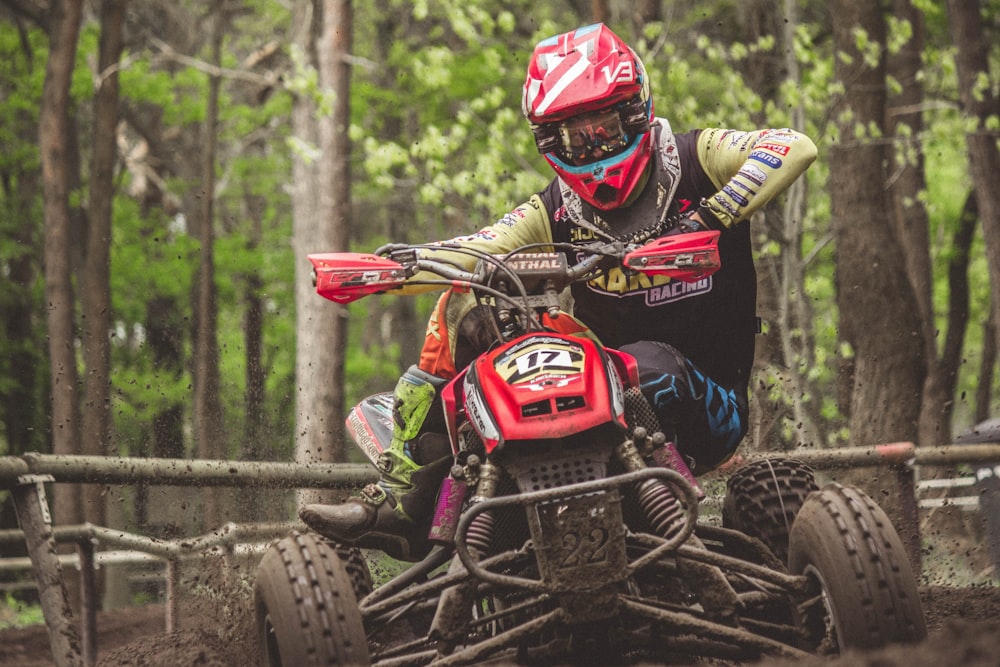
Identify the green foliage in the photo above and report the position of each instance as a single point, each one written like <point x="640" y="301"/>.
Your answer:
<point x="439" y="149"/>
<point x="16" y="613"/>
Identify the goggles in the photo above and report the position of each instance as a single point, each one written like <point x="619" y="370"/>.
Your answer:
<point x="595" y="135"/>
<point x="591" y="137"/>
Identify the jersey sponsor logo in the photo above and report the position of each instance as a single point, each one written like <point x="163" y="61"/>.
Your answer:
<point x="617" y="283"/>
<point x="743" y="186"/>
<point x="780" y="149"/>
<point x="735" y="196"/>
<point x="722" y="137"/>
<point x="782" y="135"/>
<point x="482" y="235"/>
<point x="738" y="137"/>
<point x="724" y="203"/>
<point x="752" y="173"/>
<point x="772" y="161"/>
<point x="655" y="290"/>
<point x="677" y="291"/>
<point x="581" y="234"/>
<point x="509" y="219"/>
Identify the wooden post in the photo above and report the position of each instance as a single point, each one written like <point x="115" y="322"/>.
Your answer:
<point x="33" y="515"/>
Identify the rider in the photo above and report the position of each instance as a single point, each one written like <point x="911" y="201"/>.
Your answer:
<point x="621" y="173"/>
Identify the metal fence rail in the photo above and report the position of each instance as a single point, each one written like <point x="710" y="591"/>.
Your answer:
<point x="26" y="475"/>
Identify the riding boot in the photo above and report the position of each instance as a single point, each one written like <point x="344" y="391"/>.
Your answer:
<point x="394" y="515"/>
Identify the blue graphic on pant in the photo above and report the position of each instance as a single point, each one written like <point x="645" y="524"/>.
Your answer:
<point x="708" y="420"/>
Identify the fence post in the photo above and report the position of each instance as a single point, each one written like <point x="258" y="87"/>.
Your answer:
<point x="988" y="484"/>
<point x="909" y="509"/>
<point x="173" y="578"/>
<point x="36" y="523"/>
<point x="88" y="601"/>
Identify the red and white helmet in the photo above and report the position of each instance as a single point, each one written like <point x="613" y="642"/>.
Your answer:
<point x="587" y="98"/>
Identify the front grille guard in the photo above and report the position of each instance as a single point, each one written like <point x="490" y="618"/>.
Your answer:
<point x="675" y="480"/>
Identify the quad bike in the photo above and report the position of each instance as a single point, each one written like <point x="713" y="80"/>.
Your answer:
<point x="567" y="529"/>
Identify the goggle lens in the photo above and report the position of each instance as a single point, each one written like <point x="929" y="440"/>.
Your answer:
<point x="591" y="137"/>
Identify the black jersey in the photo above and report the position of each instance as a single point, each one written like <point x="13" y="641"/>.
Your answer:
<point x="711" y="321"/>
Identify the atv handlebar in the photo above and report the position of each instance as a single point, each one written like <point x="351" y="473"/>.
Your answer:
<point x="528" y="271"/>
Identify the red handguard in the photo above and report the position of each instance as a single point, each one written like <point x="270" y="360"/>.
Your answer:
<point x="685" y="257"/>
<point x="348" y="276"/>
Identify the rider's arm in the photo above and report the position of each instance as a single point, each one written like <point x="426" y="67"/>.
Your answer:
<point x="526" y="224"/>
<point x="750" y="168"/>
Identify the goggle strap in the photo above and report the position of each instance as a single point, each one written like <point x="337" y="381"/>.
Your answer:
<point x="546" y="137"/>
<point x="635" y="117"/>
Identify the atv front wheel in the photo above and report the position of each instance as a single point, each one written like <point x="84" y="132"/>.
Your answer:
<point x="867" y="592"/>
<point x="306" y="601"/>
<point x="763" y="497"/>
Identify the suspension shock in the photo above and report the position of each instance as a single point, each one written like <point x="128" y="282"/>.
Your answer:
<point x="656" y="500"/>
<point x="480" y="532"/>
<point x="661" y="508"/>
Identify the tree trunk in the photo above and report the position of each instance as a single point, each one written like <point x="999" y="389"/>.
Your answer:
<point x="966" y="21"/>
<point x="20" y="399"/>
<point x="945" y="375"/>
<point x="335" y="167"/>
<point x="96" y="294"/>
<point x="54" y="144"/>
<point x="320" y="205"/>
<point x="872" y="283"/>
<point x="906" y="183"/>
<point x="208" y="430"/>
<point x="984" y="388"/>
<point x="401" y="210"/>
<point x="253" y="446"/>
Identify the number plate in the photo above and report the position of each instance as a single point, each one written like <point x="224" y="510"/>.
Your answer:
<point x="580" y="541"/>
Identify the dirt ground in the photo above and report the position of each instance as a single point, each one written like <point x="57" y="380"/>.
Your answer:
<point x="963" y="625"/>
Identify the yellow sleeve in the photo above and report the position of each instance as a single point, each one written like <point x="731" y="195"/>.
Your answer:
<point x="526" y="224"/>
<point x="751" y="168"/>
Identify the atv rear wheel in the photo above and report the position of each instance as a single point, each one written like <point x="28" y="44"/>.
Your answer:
<point x="763" y="497"/>
<point x="306" y="602"/>
<point x="868" y="594"/>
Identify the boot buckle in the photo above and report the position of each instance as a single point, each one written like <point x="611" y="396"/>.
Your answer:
<point x="373" y="494"/>
<point x="384" y="463"/>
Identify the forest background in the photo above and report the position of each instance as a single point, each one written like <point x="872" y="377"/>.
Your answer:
<point x="167" y="166"/>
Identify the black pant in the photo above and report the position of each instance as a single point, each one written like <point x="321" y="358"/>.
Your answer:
<point x="708" y="420"/>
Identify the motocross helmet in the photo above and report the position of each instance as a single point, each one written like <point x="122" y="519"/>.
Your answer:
<point x="587" y="99"/>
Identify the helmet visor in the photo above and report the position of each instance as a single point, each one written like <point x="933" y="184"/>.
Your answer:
<point x="591" y="137"/>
